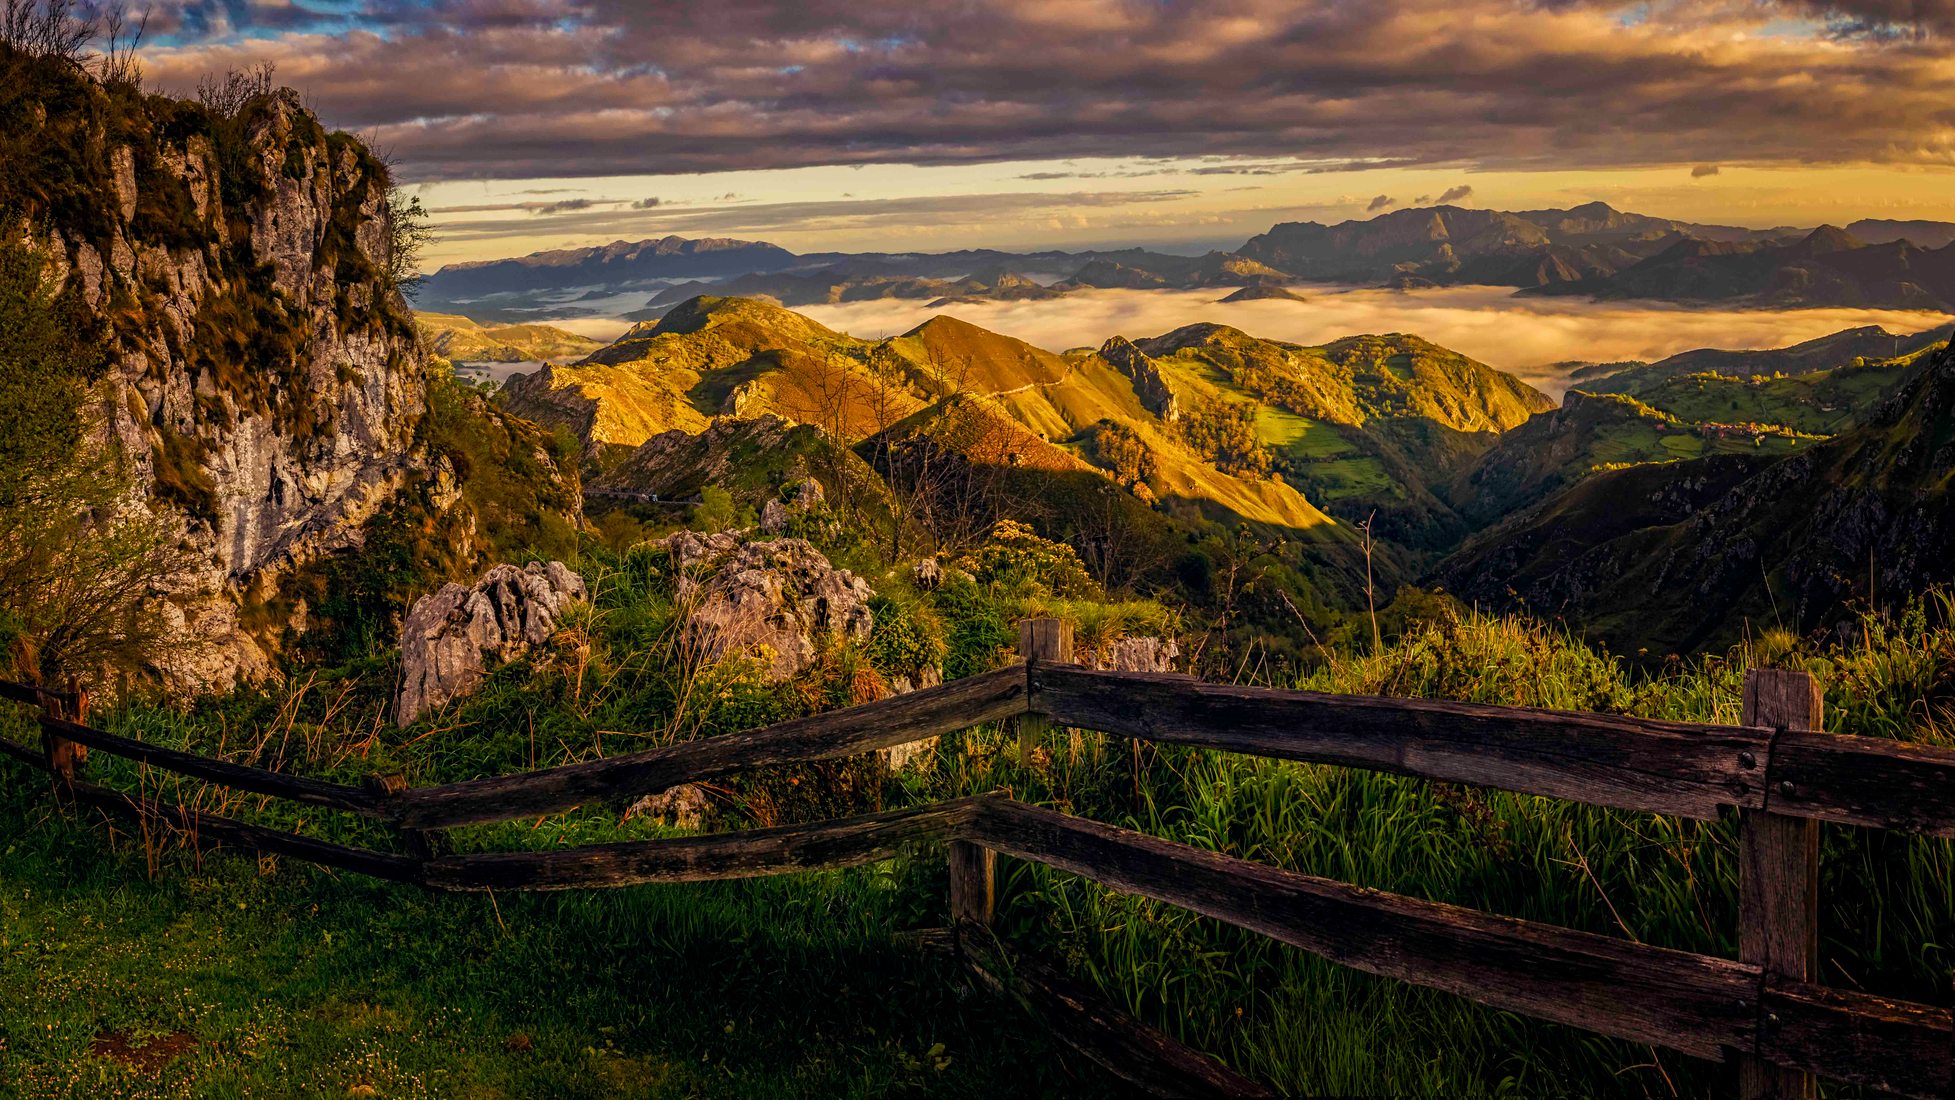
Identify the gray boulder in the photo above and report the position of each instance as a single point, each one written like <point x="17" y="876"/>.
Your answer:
<point x="797" y="499"/>
<point x="683" y="806"/>
<point x="781" y="594"/>
<point x="1138" y="653"/>
<point x="453" y="637"/>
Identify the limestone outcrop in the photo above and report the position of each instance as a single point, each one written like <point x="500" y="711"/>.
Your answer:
<point x="797" y="499"/>
<point x="1138" y="653"/>
<point x="1150" y="385"/>
<point x="267" y="383"/>
<point x="780" y="597"/>
<point x="453" y="637"/>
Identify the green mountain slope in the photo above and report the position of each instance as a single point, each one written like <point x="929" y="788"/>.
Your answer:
<point x="1592" y="434"/>
<point x="1679" y="557"/>
<point x="1848" y="347"/>
<point x="1365" y="426"/>
<point x="719" y="357"/>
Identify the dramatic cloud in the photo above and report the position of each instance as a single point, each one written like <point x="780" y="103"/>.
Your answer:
<point x="1914" y="19"/>
<point x="562" y="206"/>
<point x="617" y="218"/>
<point x="1457" y="194"/>
<point x="552" y="88"/>
<point x="1380" y="203"/>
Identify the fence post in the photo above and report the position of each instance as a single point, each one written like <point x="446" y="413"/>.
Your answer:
<point x="973" y="883"/>
<point x="1778" y="877"/>
<point x="420" y="843"/>
<point x="65" y="758"/>
<point x="1040" y="641"/>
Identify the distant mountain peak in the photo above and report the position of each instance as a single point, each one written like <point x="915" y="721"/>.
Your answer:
<point x="1828" y="238"/>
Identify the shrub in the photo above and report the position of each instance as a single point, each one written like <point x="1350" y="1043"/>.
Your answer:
<point x="715" y="511"/>
<point x="978" y="628"/>
<point x="907" y="638"/>
<point x="1015" y="559"/>
<point x="1224" y="432"/>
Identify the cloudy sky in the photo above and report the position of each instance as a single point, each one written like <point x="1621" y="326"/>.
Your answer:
<point x="857" y="124"/>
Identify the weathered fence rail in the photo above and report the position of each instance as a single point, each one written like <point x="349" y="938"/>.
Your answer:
<point x="896" y="720"/>
<point x="1775" y="770"/>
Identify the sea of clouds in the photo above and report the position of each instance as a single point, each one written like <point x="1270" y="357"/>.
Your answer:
<point x="1530" y="337"/>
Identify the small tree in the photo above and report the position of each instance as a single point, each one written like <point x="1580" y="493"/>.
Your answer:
<point x="224" y="96"/>
<point x="715" y="511"/>
<point x="411" y="232"/>
<point x="82" y="568"/>
<point x="46" y="28"/>
<point x="81" y="561"/>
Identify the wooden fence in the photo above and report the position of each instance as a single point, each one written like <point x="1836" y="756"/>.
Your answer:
<point x="1776" y="771"/>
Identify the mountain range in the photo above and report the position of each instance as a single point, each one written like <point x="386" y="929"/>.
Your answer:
<point x="274" y="405"/>
<point x="1592" y="250"/>
<point x="1465" y="475"/>
<point x="1827" y="267"/>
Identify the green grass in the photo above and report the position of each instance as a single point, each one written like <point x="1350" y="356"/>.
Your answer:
<point x="291" y="979"/>
<point x="1310" y="1028"/>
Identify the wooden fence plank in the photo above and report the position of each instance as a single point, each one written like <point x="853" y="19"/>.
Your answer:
<point x="31" y="695"/>
<point x="1040" y="641"/>
<point x="66" y="757"/>
<point x="313" y="792"/>
<point x="1866" y="781"/>
<point x="1691" y="1003"/>
<point x="24" y="754"/>
<point x="1778" y="877"/>
<point x="201" y="827"/>
<point x="894" y="721"/>
<point x="1893" y="1046"/>
<point x="752" y="853"/>
<point x="1605" y="760"/>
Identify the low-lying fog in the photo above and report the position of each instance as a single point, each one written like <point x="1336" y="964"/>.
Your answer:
<point x="1527" y="336"/>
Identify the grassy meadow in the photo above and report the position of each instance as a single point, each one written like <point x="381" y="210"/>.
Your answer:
<point x="267" y="978"/>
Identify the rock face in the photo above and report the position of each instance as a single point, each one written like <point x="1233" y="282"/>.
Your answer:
<point x="677" y="463"/>
<point x="781" y="594"/>
<point x="267" y="383"/>
<point x="452" y="637"/>
<point x="1140" y="653"/>
<point x="1149" y="384"/>
<point x="928" y="574"/>
<point x="683" y="806"/>
<point x="797" y="499"/>
<point x="912" y="755"/>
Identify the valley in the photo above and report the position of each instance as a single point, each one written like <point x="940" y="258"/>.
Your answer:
<point x="1445" y="460"/>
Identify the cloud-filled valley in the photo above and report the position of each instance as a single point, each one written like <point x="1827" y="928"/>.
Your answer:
<point x="1525" y="336"/>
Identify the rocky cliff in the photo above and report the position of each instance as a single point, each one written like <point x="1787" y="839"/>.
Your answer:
<point x="267" y="381"/>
